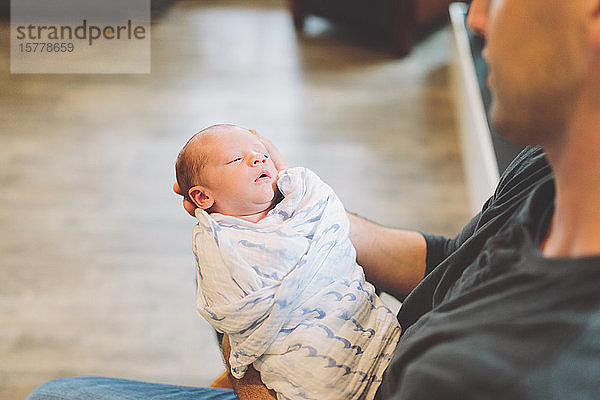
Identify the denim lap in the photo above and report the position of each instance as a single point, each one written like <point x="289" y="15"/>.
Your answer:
<point x="98" y="388"/>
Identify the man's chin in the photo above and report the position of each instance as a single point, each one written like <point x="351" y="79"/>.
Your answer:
<point x="506" y="127"/>
<point x="519" y="132"/>
<point x="530" y="121"/>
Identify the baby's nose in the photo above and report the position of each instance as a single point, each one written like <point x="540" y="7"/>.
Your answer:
<point x="258" y="158"/>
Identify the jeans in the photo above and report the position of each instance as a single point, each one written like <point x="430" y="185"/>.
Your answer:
<point x="87" y="388"/>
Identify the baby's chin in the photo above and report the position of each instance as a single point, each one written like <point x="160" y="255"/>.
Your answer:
<point x="252" y="210"/>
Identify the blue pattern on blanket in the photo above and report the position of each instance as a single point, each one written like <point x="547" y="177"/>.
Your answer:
<point x="273" y="276"/>
<point x="288" y="292"/>
<point x="282" y="253"/>
<point x="340" y="297"/>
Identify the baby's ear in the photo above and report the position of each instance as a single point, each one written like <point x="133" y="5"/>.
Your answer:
<point x="202" y="197"/>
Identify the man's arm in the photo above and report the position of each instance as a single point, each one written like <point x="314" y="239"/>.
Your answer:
<point x="250" y="386"/>
<point x="394" y="260"/>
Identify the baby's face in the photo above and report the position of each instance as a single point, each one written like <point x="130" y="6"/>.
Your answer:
<point x="240" y="174"/>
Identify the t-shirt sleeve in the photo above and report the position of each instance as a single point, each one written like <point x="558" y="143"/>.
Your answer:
<point x="440" y="247"/>
<point x="516" y="176"/>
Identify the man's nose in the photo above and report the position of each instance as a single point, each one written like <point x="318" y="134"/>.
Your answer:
<point x="477" y="18"/>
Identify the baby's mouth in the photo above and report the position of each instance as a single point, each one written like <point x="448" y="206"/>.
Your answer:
<point x="263" y="176"/>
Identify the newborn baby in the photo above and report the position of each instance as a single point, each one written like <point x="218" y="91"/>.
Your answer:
<point x="277" y="272"/>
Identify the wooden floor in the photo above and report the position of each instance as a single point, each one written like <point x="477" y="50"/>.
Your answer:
<point x="96" y="270"/>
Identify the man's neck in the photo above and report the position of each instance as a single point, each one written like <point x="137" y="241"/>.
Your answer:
<point x="575" y="227"/>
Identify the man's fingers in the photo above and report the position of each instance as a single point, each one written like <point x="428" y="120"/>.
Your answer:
<point x="278" y="159"/>
<point x="189" y="207"/>
<point x="177" y="189"/>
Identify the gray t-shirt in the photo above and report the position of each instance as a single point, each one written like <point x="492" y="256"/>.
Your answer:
<point x="494" y="319"/>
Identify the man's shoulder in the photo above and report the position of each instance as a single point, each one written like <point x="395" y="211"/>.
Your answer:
<point x="530" y="156"/>
<point x="529" y="169"/>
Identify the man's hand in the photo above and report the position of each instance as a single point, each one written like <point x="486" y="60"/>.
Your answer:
<point x="250" y="386"/>
<point x="187" y="205"/>
<point x="278" y="159"/>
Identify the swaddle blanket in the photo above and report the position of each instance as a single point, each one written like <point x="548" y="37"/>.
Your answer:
<point x="290" y="295"/>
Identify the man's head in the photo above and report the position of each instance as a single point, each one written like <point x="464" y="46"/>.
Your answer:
<point x="226" y="169"/>
<point x="543" y="57"/>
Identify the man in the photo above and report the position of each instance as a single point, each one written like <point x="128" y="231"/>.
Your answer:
<point x="510" y="308"/>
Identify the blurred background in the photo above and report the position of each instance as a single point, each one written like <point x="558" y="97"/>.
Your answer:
<point x="96" y="268"/>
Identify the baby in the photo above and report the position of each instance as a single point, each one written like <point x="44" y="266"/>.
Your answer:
<point x="277" y="272"/>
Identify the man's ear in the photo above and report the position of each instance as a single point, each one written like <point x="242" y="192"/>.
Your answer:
<point x="202" y="197"/>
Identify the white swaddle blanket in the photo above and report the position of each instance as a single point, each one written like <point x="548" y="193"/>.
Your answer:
<point x="290" y="295"/>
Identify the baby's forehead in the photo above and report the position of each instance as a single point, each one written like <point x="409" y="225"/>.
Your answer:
<point x="215" y="146"/>
<point x="228" y="139"/>
<point x="209" y="140"/>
